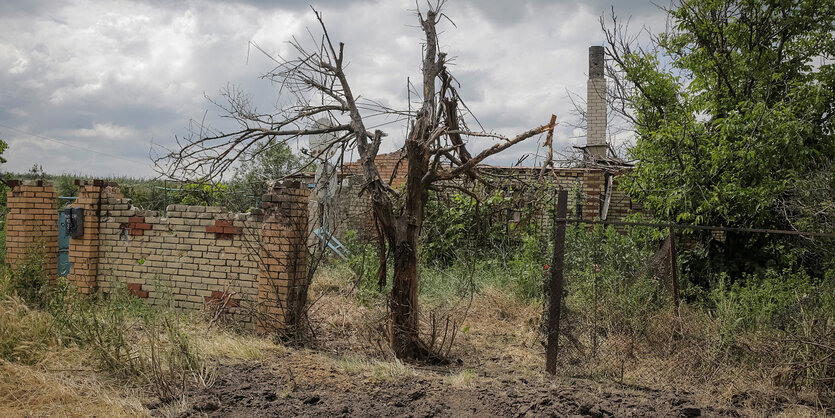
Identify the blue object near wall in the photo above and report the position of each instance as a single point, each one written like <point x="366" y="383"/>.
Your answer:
<point x="64" y="264"/>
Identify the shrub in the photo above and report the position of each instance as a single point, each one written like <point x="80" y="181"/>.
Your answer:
<point x="27" y="278"/>
<point x="364" y="262"/>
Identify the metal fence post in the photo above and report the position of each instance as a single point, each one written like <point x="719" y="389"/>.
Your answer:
<point x="673" y="268"/>
<point x="556" y="284"/>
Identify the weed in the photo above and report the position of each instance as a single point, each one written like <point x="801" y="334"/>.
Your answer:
<point x="125" y="337"/>
<point x="391" y="370"/>
<point x="464" y="379"/>
<point x="25" y="333"/>
<point x="27" y="278"/>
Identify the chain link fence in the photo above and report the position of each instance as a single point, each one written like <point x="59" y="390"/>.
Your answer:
<point x="649" y="305"/>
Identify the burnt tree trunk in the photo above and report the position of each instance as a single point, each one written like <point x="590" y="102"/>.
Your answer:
<point x="403" y="304"/>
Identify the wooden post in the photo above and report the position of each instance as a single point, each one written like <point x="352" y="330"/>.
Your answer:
<point x="674" y="268"/>
<point x="556" y="284"/>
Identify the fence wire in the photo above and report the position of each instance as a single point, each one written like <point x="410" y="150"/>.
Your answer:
<point x="746" y="318"/>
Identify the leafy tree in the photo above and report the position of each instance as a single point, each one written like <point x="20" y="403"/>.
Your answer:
<point x="739" y="114"/>
<point x="3" y="188"/>
<point x="3" y="147"/>
<point x="733" y="109"/>
<point x="269" y="160"/>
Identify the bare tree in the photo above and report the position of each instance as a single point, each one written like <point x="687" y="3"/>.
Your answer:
<point x="435" y="146"/>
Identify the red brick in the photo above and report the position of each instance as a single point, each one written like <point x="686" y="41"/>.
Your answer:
<point x="231" y="230"/>
<point x="217" y="298"/>
<point x="136" y="290"/>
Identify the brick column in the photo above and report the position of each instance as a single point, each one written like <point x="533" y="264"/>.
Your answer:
<point x="593" y="189"/>
<point x="84" y="250"/>
<point x="596" y="104"/>
<point x="32" y="224"/>
<point x="282" y="279"/>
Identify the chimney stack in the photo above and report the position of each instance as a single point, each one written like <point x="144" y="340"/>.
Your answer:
<point x="596" y="105"/>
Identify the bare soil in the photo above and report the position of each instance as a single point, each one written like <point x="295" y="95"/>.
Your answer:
<point x="306" y="384"/>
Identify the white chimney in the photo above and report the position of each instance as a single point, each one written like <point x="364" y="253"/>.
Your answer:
<point x="596" y="105"/>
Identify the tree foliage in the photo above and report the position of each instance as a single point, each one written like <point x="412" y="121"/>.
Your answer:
<point x="732" y="107"/>
<point x="267" y="161"/>
<point x="3" y="188"/>
<point x="3" y="146"/>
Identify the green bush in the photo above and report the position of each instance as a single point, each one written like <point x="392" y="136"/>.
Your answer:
<point x="606" y="277"/>
<point x="27" y="278"/>
<point x="195" y="194"/>
<point x="365" y="262"/>
<point x="521" y="273"/>
<point x="459" y="222"/>
<point x="757" y="302"/>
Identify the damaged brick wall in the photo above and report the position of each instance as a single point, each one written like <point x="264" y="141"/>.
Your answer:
<point x="353" y="209"/>
<point x="195" y="257"/>
<point x="252" y="266"/>
<point x="282" y="277"/>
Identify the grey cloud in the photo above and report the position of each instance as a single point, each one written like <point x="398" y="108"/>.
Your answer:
<point x="516" y="81"/>
<point x="24" y="8"/>
<point x="297" y="5"/>
<point x="513" y="12"/>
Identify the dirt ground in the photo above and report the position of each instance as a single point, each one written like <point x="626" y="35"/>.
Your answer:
<point x="496" y="370"/>
<point x="298" y="383"/>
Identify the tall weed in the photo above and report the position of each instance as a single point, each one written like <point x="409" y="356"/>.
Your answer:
<point x="124" y="336"/>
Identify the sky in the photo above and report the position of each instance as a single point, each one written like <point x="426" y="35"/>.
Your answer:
<point x="97" y="87"/>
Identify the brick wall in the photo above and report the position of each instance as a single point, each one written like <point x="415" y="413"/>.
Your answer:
<point x="197" y="257"/>
<point x="353" y="210"/>
<point x="393" y="162"/>
<point x="251" y="266"/>
<point x="84" y="250"/>
<point x="282" y="276"/>
<point x="32" y="224"/>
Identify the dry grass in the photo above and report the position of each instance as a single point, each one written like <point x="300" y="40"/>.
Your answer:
<point x="374" y="369"/>
<point x="501" y="337"/>
<point x="331" y="279"/>
<point x="464" y="379"/>
<point x="218" y="342"/>
<point x="24" y="332"/>
<point x="63" y="384"/>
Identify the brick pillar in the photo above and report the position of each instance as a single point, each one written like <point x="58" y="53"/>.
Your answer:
<point x="593" y="189"/>
<point x="32" y="224"/>
<point x="84" y="250"/>
<point x="282" y="279"/>
<point x="596" y="104"/>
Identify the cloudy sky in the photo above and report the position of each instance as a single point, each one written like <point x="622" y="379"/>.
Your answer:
<point x="90" y="87"/>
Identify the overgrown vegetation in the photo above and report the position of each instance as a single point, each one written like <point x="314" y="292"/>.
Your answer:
<point x="124" y="337"/>
<point x="775" y="327"/>
<point x="732" y="112"/>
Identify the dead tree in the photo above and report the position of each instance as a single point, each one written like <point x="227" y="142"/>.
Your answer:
<point x="435" y="146"/>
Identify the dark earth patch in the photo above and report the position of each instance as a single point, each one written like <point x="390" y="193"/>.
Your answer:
<point x="296" y="385"/>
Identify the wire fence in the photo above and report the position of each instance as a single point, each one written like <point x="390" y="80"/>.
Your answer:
<point x="625" y="311"/>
